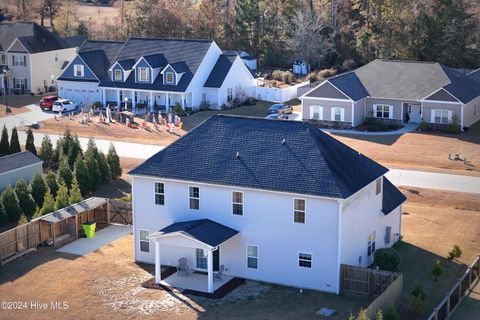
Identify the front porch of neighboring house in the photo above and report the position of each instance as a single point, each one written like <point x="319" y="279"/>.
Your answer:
<point x="139" y="101"/>
<point x="197" y="243"/>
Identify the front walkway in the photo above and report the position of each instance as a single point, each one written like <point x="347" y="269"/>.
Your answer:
<point x="407" y="128"/>
<point x="195" y="281"/>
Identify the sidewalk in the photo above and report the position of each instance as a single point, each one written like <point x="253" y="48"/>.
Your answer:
<point x="407" y="128"/>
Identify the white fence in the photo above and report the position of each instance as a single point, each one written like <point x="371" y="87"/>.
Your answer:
<point x="278" y="94"/>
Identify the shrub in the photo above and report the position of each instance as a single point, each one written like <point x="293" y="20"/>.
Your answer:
<point x="38" y="188"/>
<point x="30" y="143"/>
<point x="277" y="75"/>
<point x="312" y="77"/>
<point x="179" y="110"/>
<point x="418" y="293"/>
<point x="22" y="220"/>
<point x="437" y="270"/>
<point x="326" y="73"/>
<point x="3" y="214"/>
<point x="455" y="253"/>
<point x="4" y="145"/>
<point x="14" y="143"/>
<point x="349" y="64"/>
<point x="391" y="313"/>
<point x="46" y="152"/>
<point x="454" y="127"/>
<point x="423" y="126"/>
<point x="25" y="200"/>
<point x="204" y="106"/>
<point x="379" y="315"/>
<point x="288" y="77"/>
<point x="10" y="203"/>
<point x="411" y="306"/>
<point x="386" y="259"/>
<point x="114" y="162"/>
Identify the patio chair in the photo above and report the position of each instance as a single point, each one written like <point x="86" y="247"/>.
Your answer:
<point x="182" y="266"/>
<point x="218" y="275"/>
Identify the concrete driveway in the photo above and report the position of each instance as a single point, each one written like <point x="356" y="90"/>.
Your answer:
<point x="103" y="237"/>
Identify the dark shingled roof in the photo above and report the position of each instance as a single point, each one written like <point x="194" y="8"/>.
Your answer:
<point x="350" y="84"/>
<point x="461" y="86"/>
<point x="75" y="41"/>
<point x="204" y="230"/>
<point x="220" y="71"/>
<point x="285" y="156"/>
<point x="156" y="60"/>
<point x="475" y="75"/>
<point x="392" y="197"/>
<point x="127" y="64"/>
<point x="18" y="160"/>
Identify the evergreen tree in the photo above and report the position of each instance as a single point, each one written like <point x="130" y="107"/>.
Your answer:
<point x="93" y="172"/>
<point x="14" y="143"/>
<point x="56" y="151"/>
<point x="4" y="145"/>
<point x="75" y="193"/>
<point x="64" y="173"/>
<point x="82" y="29"/>
<point x="27" y="204"/>
<point x="23" y="219"/>
<point x="114" y="162"/>
<point x="48" y="203"/>
<point x="10" y="203"/>
<point x="3" y="214"/>
<point x="46" y="152"/>
<point x="80" y="172"/>
<point x="38" y="188"/>
<point x="51" y="182"/>
<point x="62" y="198"/>
<point x="30" y="143"/>
<point x="104" y="167"/>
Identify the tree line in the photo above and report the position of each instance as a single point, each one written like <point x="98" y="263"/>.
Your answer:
<point x="70" y="174"/>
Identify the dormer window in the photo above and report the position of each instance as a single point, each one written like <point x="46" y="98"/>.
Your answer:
<point x="143" y="74"/>
<point x="78" y="70"/>
<point x="169" y="78"/>
<point x="117" y="75"/>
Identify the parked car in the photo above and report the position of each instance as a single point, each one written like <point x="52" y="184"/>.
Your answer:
<point x="46" y="103"/>
<point x="277" y="116"/>
<point x="64" y="105"/>
<point x="280" y="108"/>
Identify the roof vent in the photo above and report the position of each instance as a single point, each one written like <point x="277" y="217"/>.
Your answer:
<point x="283" y="141"/>
<point x="238" y="155"/>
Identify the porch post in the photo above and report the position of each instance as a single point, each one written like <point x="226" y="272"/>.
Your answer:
<point x="183" y="100"/>
<point x="150" y="102"/>
<point x="210" y="270"/>
<point x="118" y="100"/>
<point x="103" y="96"/>
<point x="167" y="105"/>
<point x="158" y="270"/>
<point x="133" y="101"/>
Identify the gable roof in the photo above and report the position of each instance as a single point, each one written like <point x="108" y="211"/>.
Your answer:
<point x="475" y="75"/>
<point x="204" y="230"/>
<point x="310" y="161"/>
<point x="408" y="80"/>
<point x="126" y="64"/>
<point x="392" y="197"/>
<point x="220" y="71"/>
<point x="156" y="60"/>
<point x="75" y="41"/>
<point x="18" y="160"/>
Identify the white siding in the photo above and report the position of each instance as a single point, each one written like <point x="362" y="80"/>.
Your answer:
<point x="239" y="79"/>
<point x="471" y="112"/>
<point x="11" y="177"/>
<point x="77" y="91"/>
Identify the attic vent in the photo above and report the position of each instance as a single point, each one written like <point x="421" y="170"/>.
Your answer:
<point x="283" y="141"/>
<point x="238" y="155"/>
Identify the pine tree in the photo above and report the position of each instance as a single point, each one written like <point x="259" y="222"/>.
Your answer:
<point x="82" y="29"/>
<point x="10" y="203"/>
<point x="3" y="214"/>
<point x="80" y="172"/>
<point x="23" y="219"/>
<point x="114" y="162"/>
<point x="46" y="152"/>
<point x="14" y="143"/>
<point x="62" y="198"/>
<point x="48" y="203"/>
<point x="30" y="143"/>
<point x="75" y="193"/>
<point x="64" y="173"/>
<point x="38" y="188"/>
<point x="27" y="204"/>
<point x="93" y="172"/>
<point x="51" y="182"/>
<point x="4" y="145"/>
<point x="104" y="167"/>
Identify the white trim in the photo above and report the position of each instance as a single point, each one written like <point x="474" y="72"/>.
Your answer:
<point x="243" y="203"/>
<point x="137" y="79"/>
<point x="461" y="118"/>
<point x="339" y="245"/>
<point x="328" y="99"/>
<point x="169" y="65"/>
<point x="431" y="94"/>
<point x="320" y="113"/>
<point x="346" y="95"/>
<point x="321" y="84"/>
<point x="24" y="167"/>
<point x="473" y="71"/>
<point x="443" y="102"/>
<point x="166" y="77"/>
<point x="353" y="114"/>
<point x="257" y="257"/>
<point x="304" y="211"/>
<point x="140" y="240"/>
<point x="68" y="65"/>
<point x="115" y="75"/>
<point x="140" y="90"/>
<point x="390" y="110"/>
<point x="155" y="193"/>
<point x="298" y="260"/>
<point x="111" y="68"/>
<point x="13" y="43"/>
<point x="141" y="58"/>
<point x="156" y="236"/>
<point x="192" y="186"/>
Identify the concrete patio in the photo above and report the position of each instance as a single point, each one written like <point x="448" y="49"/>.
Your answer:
<point x="195" y="281"/>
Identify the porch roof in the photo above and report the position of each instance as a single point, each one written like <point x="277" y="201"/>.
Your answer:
<point x="204" y="230"/>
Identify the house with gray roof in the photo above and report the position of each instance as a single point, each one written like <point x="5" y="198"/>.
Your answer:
<point x="32" y="57"/>
<point x="18" y="165"/>
<point x="395" y="92"/>
<point x="153" y="72"/>
<point x="224" y="202"/>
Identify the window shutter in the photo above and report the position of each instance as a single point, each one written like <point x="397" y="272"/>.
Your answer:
<point x="25" y="61"/>
<point x="390" y="112"/>
<point x="321" y="113"/>
<point x="388" y="234"/>
<point x="14" y="84"/>
<point x="13" y="60"/>
<point x="449" y="116"/>
<point x="374" y="111"/>
<point x="432" y="116"/>
<point x="332" y="114"/>
<point x="342" y="114"/>
<point x="25" y="83"/>
<point x="312" y="109"/>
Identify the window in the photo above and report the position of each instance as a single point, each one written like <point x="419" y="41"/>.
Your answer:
<point x="169" y="77"/>
<point x="378" y="186"/>
<point x="304" y="260"/>
<point x="159" y="193"/>
<point x="371" y="243"/>
<point x="252" y="257"/>
<point x="78" y="70"/>
<point x="117" y="75"/>
<point x="19" y="61"/>
<point x="382" y="110"/>
<point x="144" y="241"/>
<point x="143" y="74"/>
<point x="338" y="114"/>
<point x="441" y="116"/>
<point x="316" y="112"/>
<point x="237" y="203"/>
<point x="194" y="200"/>
<point x="299" y="210"/>
<point x="229" y="94"/>
<point x="201" y="259"/>
<point x="20" y="83"/>
<point x="3" y="59"/>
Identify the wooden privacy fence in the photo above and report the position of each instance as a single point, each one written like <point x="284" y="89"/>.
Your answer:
<point x="364" y="281"/>
<point x="120" y="212"/>
<point x="391" y="296"/>
<point x="455" y="296"/>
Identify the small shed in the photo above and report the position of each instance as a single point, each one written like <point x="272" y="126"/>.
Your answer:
<point x="18" y="165"/>
<point x="301" y="67"/>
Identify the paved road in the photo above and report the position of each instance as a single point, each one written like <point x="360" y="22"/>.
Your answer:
<point x="407" y="128"/>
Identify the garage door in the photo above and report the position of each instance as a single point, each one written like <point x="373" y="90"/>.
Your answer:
<point x="87" y="97"/>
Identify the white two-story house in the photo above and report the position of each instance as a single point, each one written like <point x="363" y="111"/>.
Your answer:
<point x="32" y="57"/>
<point x="155" y="72"/>
<point x="274" y="201"/>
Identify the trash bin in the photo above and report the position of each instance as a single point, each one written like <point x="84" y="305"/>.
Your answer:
<point x="89" y="229"/>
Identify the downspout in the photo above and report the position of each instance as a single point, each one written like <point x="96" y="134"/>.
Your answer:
<point x="339" y="246"/>
<point x="461" y="118"/>
<point x="353" y="114"/>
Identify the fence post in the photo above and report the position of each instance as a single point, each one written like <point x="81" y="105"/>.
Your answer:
<point x="108" y="211"/>
<point x="435" y="310"/>
<point x="16" y="240"/>
<point x="448" y="304"/>
<point x="28" y="235"/>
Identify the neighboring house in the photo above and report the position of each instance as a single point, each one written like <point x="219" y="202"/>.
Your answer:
<point x="301" y="67"/>
<point x="33" y="56"/>
<point x="250" y="61"/>
<point x="274" y="201"/>
<point x="475" y="75"/>
<point x="394" y="91"/>
<point x="18" y="165"/>
<point x="161" y="72"/>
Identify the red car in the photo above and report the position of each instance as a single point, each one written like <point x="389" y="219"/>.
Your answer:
<point x="47" y="102"/>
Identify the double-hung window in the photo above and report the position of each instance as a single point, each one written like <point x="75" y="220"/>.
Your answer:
<point x="19" y="61"/>
<point x="3" y="59"/>
<point x="201" y="259"/>
<point x="117" y="75"/>
<point x="252" y="257"/>
<point x="299" y="210"/>
<point x="316" y="112"/>
<point x="441" y="116"/>
<point x="338" y="114"/>
<point x="371" y="243"/>
<point x="383" y="111"/>
<point x="237" y="203"/>
<point x="143" y="74"/>
<point x="229" y="94"/>
<point x="159" y="193"/>
<point x="194" y="198"/>
<point x="144" y="241"/>
<point x="78" y="70"/>
<point x="304" y="260"/>
<point x="169" y="77"/>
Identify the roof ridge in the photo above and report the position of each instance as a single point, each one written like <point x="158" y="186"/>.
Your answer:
<point x="405" y="61"/>
<point x="169" y="39"/>
<point x="18" y="153"/>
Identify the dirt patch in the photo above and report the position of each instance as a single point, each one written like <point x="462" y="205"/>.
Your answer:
<point x="14" y="111"/>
